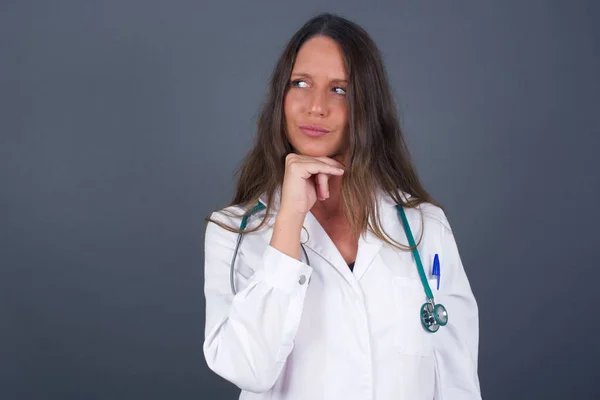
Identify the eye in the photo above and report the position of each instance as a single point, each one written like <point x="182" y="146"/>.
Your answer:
<point x="339" y="90"/>
<point x="299" y="83"/>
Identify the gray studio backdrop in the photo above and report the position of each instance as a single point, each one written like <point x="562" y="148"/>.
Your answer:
<point x="123" y="121"/>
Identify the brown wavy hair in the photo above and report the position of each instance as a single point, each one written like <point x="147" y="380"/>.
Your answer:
<point x="378" y="154"/>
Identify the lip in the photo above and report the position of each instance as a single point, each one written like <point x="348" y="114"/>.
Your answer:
<point x="314" y="130"/>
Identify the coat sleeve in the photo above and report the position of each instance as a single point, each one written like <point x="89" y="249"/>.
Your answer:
<point x="456" y="344"/>
<point x="249" y="336"/>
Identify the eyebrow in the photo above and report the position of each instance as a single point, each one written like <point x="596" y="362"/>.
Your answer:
<point x="305" y="75"/>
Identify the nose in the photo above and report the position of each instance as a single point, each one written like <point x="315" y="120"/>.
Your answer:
<point x="318" y="104"/>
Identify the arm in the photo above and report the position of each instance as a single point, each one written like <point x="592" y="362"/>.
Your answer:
<point x="249" y="336"/>
<point x="456" y="344"/>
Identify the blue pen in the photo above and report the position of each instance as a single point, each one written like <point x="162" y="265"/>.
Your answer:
<point x="436" y="270"/>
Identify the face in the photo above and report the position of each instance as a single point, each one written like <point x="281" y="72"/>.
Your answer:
<point x="315" y="107"/>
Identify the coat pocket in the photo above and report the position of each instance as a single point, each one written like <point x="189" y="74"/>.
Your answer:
<point x="410" y="337"/>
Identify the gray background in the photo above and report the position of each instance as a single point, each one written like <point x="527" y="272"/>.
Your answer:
<point x="123" y="121"/>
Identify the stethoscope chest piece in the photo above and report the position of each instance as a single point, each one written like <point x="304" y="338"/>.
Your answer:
<point x="433" y="316"/>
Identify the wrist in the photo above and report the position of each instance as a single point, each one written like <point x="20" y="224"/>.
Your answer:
<point x="291" y="219"/>
<point x="286" y="233"/>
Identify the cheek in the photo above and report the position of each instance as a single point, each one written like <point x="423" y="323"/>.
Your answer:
<point x="292" y="104"/>
<point x="342" y="113"/>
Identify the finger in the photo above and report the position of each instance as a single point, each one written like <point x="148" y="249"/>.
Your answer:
<point x="314" y="168"/>
<point x="331" y="161"/>
<point x="323" y="186"/>
<point x="308" y="159"/>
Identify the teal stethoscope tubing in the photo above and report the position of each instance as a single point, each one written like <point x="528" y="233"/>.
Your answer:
<point x="432" y="316"/>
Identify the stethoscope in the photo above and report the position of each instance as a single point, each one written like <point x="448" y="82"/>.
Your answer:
<point x="432" y="315"/>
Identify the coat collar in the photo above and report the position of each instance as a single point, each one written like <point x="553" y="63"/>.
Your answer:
<point x="315" y="238"/>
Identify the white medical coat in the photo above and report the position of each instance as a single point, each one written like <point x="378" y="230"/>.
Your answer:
<point x="299" y="332"/>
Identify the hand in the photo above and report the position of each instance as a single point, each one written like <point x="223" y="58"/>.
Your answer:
<point x="306" y="181"/>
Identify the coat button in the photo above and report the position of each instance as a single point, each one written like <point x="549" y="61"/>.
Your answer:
<point x="302" y="279"/>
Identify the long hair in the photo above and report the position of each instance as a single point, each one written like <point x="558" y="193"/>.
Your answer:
<point x="379" y="157"/>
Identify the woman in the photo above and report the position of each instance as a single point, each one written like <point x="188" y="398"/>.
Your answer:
<point x="324" y="300"/>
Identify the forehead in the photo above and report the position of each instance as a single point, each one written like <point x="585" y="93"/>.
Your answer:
<point x="320" y="55"/>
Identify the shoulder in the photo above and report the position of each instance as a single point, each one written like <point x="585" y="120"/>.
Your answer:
<point x="435" y="215"/>
<point x="232" y="217"/>
<point x="222" y="224"/>
<point x="432" y="215"/>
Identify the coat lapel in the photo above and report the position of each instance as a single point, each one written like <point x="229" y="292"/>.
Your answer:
<point x="369" y="244"/>
<point x="368" y="247"/>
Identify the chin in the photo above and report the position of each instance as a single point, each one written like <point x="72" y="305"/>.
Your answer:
<point x="316" y="152"/>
